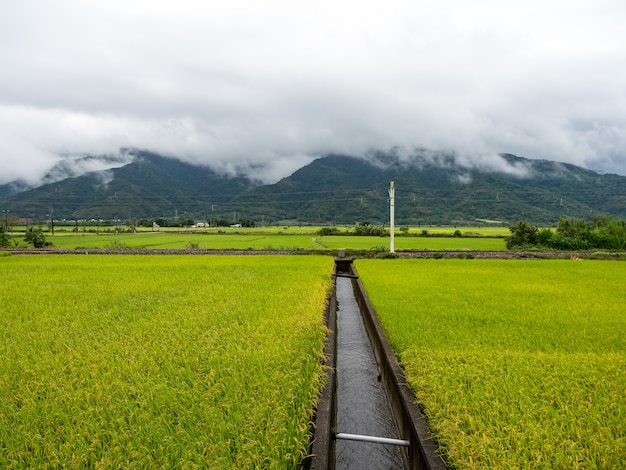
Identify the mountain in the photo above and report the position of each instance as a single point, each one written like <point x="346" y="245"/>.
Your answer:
<point x="149" y="186"/>
<point x="83" y="164"/>
<point x="438" y="188"/>
<point x="431" y="188"/>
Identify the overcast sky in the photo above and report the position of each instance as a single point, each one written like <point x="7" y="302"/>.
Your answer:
<point x="243" y="84"/>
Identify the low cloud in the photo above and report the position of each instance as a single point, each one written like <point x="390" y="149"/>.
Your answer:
<point x="465" y="178"/>
<point x="494" y="163"/>
<point x="77" y="165"/>
<point x="264" y="88"/>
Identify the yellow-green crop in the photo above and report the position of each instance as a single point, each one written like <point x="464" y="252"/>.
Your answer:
<point x="518" y="364"/>
<point x="172" y="240"/>
<point x="411" y="243"/>
<point x="159" y="361"/>
<point x="265" y="241"/>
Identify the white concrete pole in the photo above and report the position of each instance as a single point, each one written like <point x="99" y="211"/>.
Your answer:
<point x="392" y="194"/>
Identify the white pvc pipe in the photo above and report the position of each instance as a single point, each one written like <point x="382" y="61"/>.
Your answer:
<point x="374" y="439"/>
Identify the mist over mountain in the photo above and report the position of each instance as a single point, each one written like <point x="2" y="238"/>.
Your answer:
<point x="432" y="187"/>
<point x="71" y="166"/>
<point x="147" y="185"/>
<point x="79" y="165"/>
<point x="439" y="188"/>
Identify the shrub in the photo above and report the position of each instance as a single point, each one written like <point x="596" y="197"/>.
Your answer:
<point x="568" y="243"/>
<point x="36" y="238"/>
<point x="544" y="236"/>
<point x="116" y="245"/>
<point x="328" y="231"/>
<point x="367" y="229"/>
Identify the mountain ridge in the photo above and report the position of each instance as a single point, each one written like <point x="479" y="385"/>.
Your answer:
<point x="432" y="187"/>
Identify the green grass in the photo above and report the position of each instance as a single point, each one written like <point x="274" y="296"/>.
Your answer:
<point x="171" y="240"/>
<point x="159" y="361"/>
<point x="517" y="364"/>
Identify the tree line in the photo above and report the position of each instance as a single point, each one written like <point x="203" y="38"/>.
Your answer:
<point x="602" y="232"/>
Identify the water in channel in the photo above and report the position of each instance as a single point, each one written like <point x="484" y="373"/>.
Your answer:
<point x="362" y="406"/>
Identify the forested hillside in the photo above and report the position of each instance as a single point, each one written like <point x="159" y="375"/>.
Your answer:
<point x="431" y="188"/>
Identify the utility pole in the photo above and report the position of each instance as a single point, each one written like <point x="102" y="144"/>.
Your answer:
<point x="392" y="215"/>
<point x="6" y="220"/>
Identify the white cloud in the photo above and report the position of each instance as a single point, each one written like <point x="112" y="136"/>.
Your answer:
<point x="269" y="85"/>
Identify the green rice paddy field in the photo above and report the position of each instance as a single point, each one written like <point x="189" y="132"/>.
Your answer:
<point x="267" y="241"/>
<point x="517" y="364"/>
<point x="159" y="361"/>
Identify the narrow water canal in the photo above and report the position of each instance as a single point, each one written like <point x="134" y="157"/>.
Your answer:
<point x="362" y="406"/>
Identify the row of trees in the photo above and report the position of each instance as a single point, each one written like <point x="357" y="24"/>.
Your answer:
<point x="362" y="229"/>
<point x="600" y="233"/>
<point x="367" y="229"/>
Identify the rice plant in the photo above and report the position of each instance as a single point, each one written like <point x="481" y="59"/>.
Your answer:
<point x="159" y="361"/>
<point x="517" y="364"/>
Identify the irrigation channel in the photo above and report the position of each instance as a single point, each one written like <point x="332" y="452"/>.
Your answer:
<point x="362" y="409"/>
<point x="366" y="417"/>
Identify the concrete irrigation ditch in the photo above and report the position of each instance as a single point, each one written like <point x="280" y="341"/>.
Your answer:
<point x="365" y="392"/>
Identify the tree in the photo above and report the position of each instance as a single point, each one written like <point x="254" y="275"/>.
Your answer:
<point x="522" y="233"/>
<point x="571" y="234"/>
<point x="35" y="237"/>
<point x="574" y="228"/>
<point x="4" y="238"/>
<point x="601" y="220"/>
